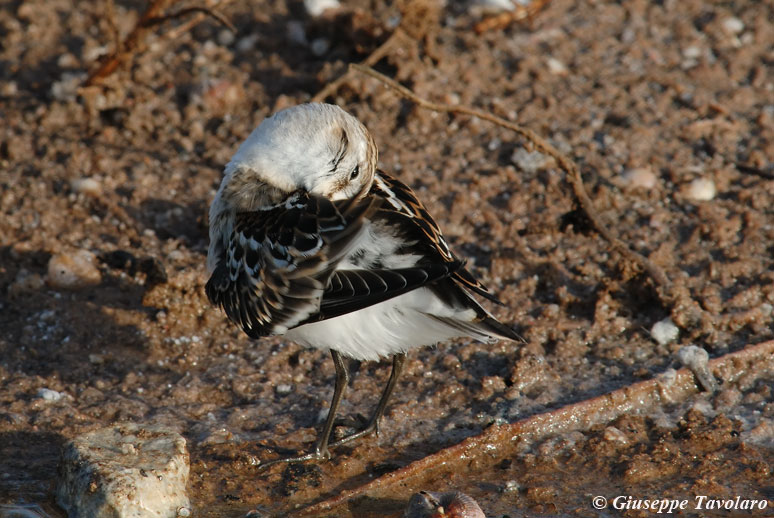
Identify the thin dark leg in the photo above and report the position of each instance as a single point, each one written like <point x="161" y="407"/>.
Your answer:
<point x="321" y="448"/>
<point x="342" y="379"/>
<point x="373" y="423"/>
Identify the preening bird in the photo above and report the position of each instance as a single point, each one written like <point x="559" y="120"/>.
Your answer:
<point x="308" y="239"/>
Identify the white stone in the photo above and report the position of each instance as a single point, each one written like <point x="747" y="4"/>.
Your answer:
<point x="103" y="478"/>
<point x="702" y="189"/>
<point x="613" y="434"/>
<point x="733" y="25"/>
<point x="556" y="67"/>
<point x="530" y="161"/>
<point x="664" y="331"/>
<point x="640" y="177"/>
<point x="49" y="395"/>
<point x="692" y="52"/>
<point x="89" y="186"/>
<point x="284" y="389"/>
<point x="73" y="270"/>
<point x="317" y="7"/>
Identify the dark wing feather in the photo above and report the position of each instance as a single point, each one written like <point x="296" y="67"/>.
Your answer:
<point x="277" y="262"/>
<point x="352" y="290"/>
<point x="402" y="202"/>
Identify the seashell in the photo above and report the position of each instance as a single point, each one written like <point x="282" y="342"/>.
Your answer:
<point x="428" y="504"/>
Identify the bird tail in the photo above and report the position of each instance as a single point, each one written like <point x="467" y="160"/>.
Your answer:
<point x="485" y="328"/>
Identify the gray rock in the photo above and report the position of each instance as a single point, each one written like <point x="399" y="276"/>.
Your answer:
<point x="124" y="471"/>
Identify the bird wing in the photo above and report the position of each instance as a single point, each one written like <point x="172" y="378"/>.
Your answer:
<point x="352" y="290"/>
<point x="278" y="270"/>
<point x="403" y="206"/>
<point x="278" y="261"/>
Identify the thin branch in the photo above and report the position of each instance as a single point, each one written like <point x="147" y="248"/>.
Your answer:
<point x="185" y="27"/>
<point x="198" y="9"/>
<point x="664" y="286"/>
<point x="370" y="61"/>
<point x="126" y="49"/>
<point x="152" y="17"/>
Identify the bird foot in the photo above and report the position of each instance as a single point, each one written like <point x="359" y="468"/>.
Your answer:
<point x="318" y="454"/>
<point x="371" y="427"/>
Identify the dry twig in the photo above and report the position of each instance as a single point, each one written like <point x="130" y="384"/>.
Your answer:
<point x="152" y="17"/>
<point x="669" y="296"/>
<point x="206" y="11"/>
<point x="370" y="61"/>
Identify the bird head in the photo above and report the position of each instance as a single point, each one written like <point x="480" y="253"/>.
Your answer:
<point x="318" y="148"/>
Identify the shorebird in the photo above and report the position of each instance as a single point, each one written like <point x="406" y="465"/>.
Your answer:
<point x="308" y="239"/>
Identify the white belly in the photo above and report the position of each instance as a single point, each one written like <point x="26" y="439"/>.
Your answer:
<point x="384" y="329"/>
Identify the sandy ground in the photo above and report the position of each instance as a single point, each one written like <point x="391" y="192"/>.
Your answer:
<point x="668" y="107"/>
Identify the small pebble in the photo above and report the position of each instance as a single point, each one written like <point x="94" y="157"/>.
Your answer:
<point x="67" y="60"/>
<point x="733" y="25"/>
<point x="702" y="189"/>
<point x="641" y="177"/>
<point x="247" y="43"/>
<point x="664" y="331"/>
<point x="284" y="389"/>
<point x="226" y="37"/>
<point x="317" y="7"/>
<point x="692" y="52"/>
<point x="9" y="89"/>
<point x="556" y="67"/>
<point x="88" y="186"/>
<point x="493" y="6"/>
<point x="73" y="270"/>
<point x="703" y="407"/>
<point x="296" y="32"/>
<point x="320" y="46"/>
<point x="530" y="161"/>
<point x="613" y="434"/>
<point x="49" y="395"/>
<point x="67" y="87"/>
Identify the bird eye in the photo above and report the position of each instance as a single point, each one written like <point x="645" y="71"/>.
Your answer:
<point x="355" y="173"/>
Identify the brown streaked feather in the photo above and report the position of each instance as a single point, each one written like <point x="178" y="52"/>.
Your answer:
<point x="278" y="261"/>
<point x="401" y="200"/>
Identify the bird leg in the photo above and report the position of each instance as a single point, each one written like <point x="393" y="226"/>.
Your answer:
<point x="373" y="423"/>
<point x="320" y="451"/>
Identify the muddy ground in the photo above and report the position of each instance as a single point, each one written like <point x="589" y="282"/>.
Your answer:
<point x="668" y="108"/>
